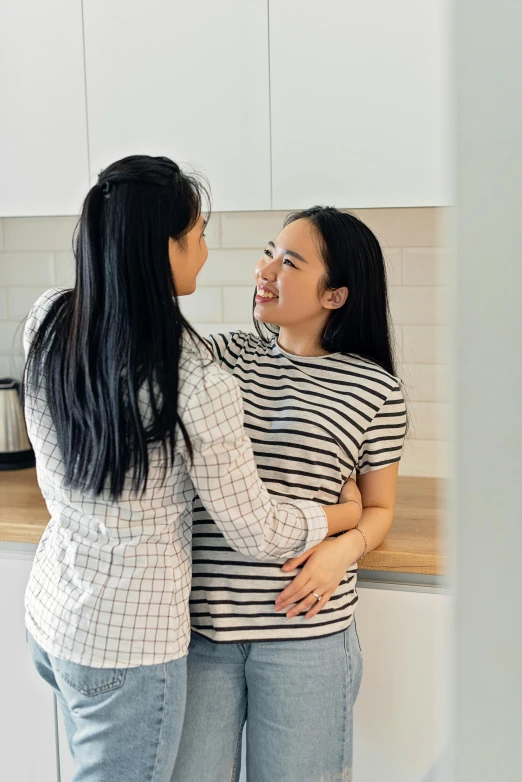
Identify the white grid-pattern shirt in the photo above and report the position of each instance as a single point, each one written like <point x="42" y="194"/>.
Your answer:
<point x="110" y="582"/>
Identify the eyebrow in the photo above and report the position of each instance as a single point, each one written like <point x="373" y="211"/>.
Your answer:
<point x="290" y="252"/>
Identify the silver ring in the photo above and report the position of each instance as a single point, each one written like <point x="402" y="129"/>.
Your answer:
<point x="316" y="595"/>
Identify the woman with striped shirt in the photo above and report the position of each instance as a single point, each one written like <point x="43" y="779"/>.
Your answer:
<point x="277" y="646"/>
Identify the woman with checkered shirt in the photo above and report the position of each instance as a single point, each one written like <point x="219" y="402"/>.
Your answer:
<point x="130" y="418"/>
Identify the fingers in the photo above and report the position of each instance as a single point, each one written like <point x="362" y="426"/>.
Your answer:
<point x="292" y="564"/>
<point x="319" y="605"/>
<point x="295" y="562"/>
<point x="304" y="605"/>
<point x="311" y="605"/>
<point x="300" y="587"/>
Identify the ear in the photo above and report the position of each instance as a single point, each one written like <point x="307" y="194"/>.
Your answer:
<point x="334" y="299"/>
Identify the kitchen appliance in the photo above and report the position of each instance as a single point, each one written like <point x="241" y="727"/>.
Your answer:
<point x="15" y="449"/>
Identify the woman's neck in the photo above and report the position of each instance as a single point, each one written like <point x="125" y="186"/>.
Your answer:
<point x="300" y="343"/>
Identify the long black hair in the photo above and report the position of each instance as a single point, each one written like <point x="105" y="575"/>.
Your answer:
<point x="117" y="334"/>
<point x="353" y="258"/>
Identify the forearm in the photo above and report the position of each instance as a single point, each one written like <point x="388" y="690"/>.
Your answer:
<point x="342" y="517"/>
<point x="375" y="523"/>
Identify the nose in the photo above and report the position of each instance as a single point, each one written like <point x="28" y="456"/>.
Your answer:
<point x="266" y="269"/>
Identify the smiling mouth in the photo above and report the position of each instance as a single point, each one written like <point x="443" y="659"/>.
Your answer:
<point x="263" y="296"/>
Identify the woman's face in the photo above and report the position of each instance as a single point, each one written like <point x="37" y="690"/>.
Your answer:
<point x="289" y="280"/>
<point x="187" y="257"/>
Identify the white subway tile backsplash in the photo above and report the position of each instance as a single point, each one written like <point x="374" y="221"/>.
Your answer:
<point x="64" y="270"/>
<point x="203" y="306"/>
<point x="425" y="344"/>
<point x="238" y="304"/>
<point x="393" y="258"/>
<point x="425" y="382"/>
<point x="213" y="231"/>
<point x="425" y="266"/>
<point x="405" y="227"/>
<point x="426" y="459"/>
<point x="420" y="306"/>
<point x="11" y="366"/>
<point x="35" y="253"/>
<point x="429" y="420"/>
<point x="39" y="233"/>
<point x="26" y="269"/>
<point x="229" y="267"/>
<point x="3" y="304"/>
<point x="11" y="333"/>
<point x="250" y="229"/>
<point x="6" y="369"/>
<point x="20" y="301"/>
<point x="396" y="340"/>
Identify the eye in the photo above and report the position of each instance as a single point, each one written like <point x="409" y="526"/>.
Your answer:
<point x="290" y="263"/>
<point x="269" y="253"/>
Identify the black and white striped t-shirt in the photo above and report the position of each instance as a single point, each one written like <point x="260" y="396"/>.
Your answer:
<point x="313" y="423"/>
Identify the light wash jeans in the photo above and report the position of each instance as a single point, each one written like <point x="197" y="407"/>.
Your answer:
<point x="122" y="724"/>
<point x="298" y="696"/>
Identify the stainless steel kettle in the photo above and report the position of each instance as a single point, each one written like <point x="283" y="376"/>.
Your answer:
<point x="15" y="448"/>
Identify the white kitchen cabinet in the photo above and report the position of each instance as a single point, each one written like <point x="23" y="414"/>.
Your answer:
<point x="43" y="131"/>
<point x="186" y="80"/>
<point x="359" y="102"/>
<point x="401" y="724"/>
<point x="27" y="723"/>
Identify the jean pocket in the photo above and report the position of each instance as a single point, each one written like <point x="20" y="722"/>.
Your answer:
<point x="87" y="680"/>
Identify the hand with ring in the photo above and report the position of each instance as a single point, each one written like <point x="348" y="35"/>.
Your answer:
<point x="324" y="567"/>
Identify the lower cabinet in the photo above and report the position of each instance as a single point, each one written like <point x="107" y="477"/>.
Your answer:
<point x="27" y="727"/>
<point x="402" y="713"/>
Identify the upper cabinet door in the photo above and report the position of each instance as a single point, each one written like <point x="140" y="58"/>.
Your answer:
<point x="43" y="126"/>
<point x="187" y="80"/>
<point x="359" y="102"/>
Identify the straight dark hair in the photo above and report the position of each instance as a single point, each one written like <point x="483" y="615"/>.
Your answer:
<point x="353" y="258"/>
<point x="116" y="336"/>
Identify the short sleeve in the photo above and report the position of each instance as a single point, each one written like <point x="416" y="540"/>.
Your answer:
<point x="227" y="348"/>
<point x="384" y="439"/>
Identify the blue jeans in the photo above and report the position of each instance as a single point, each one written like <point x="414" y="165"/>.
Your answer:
<point x="122" y="724"/>
<point x="299" y="698"/>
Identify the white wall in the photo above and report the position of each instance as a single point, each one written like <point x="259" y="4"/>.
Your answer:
<point x="485" y="525"/>
<point x="35" y="254"/>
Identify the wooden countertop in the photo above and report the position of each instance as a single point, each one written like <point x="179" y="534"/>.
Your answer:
<point x="413" y="545"/>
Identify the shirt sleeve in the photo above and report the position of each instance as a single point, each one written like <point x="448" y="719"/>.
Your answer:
<point x="37" y="314"/>
<point x="225" y="476"/>
<point x="226" y="348"/>
<point x="384" y="439"/>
